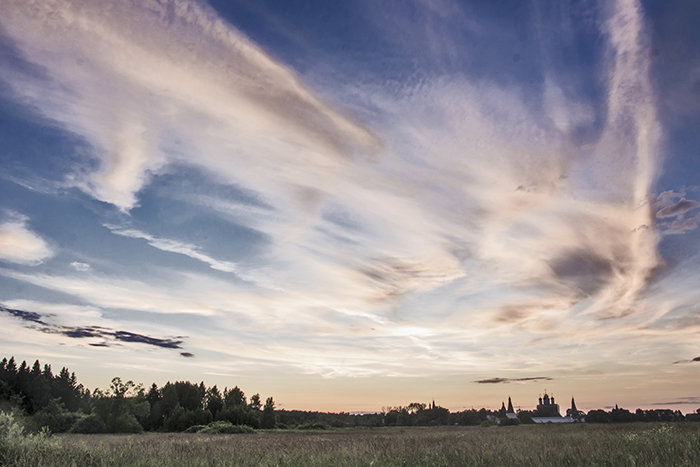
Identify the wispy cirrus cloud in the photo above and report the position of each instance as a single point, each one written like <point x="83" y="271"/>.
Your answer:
<point x="175" y="246"/>
<point x="449" y="209"/>
<point x="476" y="188"/>
<point x="675" y="209"/>
<point x="680" y="207"/>
<point x="128" y="74"/>
<point x="683" y="224"/>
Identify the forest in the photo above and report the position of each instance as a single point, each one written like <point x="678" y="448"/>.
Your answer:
<point x="61" y="404"/>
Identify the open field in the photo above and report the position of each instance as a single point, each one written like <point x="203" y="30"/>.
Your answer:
<point x="629" y="444"/>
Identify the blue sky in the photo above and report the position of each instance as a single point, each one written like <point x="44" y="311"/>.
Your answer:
<point x="351" y="205"/>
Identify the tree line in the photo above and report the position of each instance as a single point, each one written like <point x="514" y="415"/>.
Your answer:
<point x="59" y="402"/>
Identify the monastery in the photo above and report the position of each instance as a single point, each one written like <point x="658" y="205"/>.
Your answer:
<point x="547" y="411"/>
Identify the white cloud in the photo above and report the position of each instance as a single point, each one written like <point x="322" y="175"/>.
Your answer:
<point x="113" y="292"/>
<point x="175" y="246"/>
<point x="144" y="82"/>
<point x="78" y="266"/>
<point x="475" y="205"/>
<point x="20" y="245"/>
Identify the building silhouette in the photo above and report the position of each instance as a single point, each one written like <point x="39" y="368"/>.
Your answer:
<point x="510" y="413"/>
<point x="573" y="412"/>
<point x="547" y="412"/>
<point x="547" y="407"/>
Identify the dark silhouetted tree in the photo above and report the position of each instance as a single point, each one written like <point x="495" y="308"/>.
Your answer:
<point x="234" y="397"/>
<point x="255" y="402"/>
<point x="268" y="415"/>
<point x="214" y="401"/>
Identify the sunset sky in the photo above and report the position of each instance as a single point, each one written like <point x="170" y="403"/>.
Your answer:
<point x="357" y="204"/>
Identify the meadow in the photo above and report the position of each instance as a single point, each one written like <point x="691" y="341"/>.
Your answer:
<point x="674" y="444"/>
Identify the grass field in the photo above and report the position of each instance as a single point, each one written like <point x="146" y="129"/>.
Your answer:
<point x="675" y="444"/>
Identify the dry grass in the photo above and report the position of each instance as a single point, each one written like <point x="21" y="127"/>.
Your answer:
<point x="631" y="444"/>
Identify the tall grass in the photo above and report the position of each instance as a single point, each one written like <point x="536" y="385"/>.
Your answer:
<point x="631" y="444"/>
<point x="19" y="448"/>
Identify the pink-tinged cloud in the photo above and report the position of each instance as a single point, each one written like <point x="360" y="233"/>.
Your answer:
<point x="680" y="207"/>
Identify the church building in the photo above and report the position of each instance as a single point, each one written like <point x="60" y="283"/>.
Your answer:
<point x="548" y="411"/>
<point x="547" y="407"/>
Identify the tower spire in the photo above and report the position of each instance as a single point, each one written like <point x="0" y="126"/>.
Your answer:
<point x="510" y="406"/>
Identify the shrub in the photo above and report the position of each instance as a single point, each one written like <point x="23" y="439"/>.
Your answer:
<point x="224" y="427"/>
<point x="313" y="426"/>
<point x="10" y="428"/>
<point x="18" y="448"/>
<point x="195" y="429"/>
<point x="89" y="424"/>
<point x="509" y="422"/>
<point x="126" y="423"/>
<point x="55" y="417"/>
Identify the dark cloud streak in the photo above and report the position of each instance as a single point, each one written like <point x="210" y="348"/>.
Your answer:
<point x="681" y="401"/>
<point x="508" y="380"/>
<point x="696" y="359"/>
<point x="127" y="336"/>
<point x="82" y="332"/>
<point x="25" y="315"/>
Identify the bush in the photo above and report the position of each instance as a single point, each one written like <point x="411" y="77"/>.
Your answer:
<point x="181" y="419"/>
<point x="195" y="429"/>
<point x="225" y="427"/>
<point x="55" y="417"/>
<point x="126" y="423"/>
<point x="313" y="426"/>
<point x="220" y="427"/>
<point x="18" y="448"/>
<point x="89" y="424"/>
<point x="10" y="428"/>
<point x="510" y="422"/>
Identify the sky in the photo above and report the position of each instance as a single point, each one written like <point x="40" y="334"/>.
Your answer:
<point x="356" y="205"/>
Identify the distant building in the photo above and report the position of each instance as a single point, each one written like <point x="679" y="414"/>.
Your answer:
<point x="553" y="420"/>
<point x="548" y="411"/>
<point x="574" y="413"/>
<point x="510" y="413"/>
<point x="547" y="407"/>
